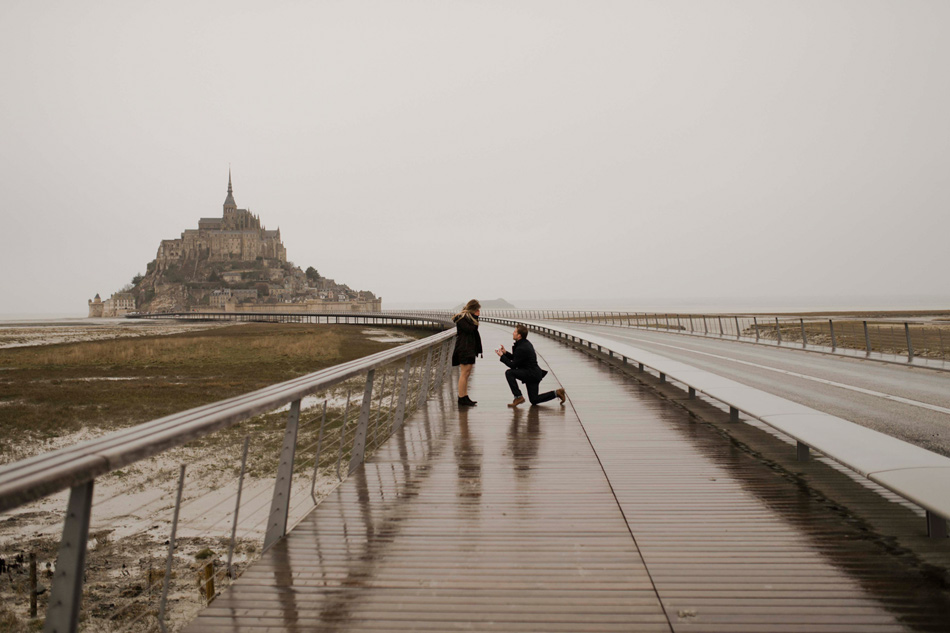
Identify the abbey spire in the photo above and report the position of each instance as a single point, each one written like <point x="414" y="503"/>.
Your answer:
<point x="229" y="201"/>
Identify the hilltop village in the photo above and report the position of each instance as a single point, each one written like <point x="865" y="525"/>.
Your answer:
<point x="231" y="263"/>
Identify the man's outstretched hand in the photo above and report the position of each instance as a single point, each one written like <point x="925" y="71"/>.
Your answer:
<point x="500" y="351"/>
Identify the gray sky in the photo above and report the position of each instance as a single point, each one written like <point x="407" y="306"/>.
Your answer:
<point x="437" y="151"/>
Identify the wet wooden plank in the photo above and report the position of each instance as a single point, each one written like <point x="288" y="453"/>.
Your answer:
<point x="615" y="513"/>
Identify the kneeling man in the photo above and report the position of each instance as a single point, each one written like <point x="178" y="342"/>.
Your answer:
<point x="523" y="363"/>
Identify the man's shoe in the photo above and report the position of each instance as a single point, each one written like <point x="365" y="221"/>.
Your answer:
<point x="516" y="401"/>
<point x="560" y="393"/>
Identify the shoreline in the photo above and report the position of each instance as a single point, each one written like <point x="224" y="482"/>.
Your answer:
<point x="40" y="333"/>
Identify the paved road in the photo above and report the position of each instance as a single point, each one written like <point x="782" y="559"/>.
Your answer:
<point x="910" y="403"/>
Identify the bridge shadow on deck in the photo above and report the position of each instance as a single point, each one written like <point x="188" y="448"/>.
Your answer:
<point x="541" y="518"/>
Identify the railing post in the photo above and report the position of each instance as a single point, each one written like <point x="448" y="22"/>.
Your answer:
<point x="316" y="460"/>
<point x="804" y="338"/>
<point x="936" y="525"/>
<point x="910" y="346"/>
<point x="403" y="393"/>
<point x="834" y="341"/>
<point x="62" y="614"/>
<point x="705" y="326"/>
<point x="237" y="507"/>
<point x="447" y="361"/>
<point x="280" y="502"/>
<point x="346" y="418"/>
<point x="738" y="334"/>
<point x="755" y="325"/>
<point x="719" y="318"/>
<point x="424" y="391"/>
<point x="379" y="408"/>
<point x="802" y="452"/>
<point x="171" y="551"/>
<point x="778" y="331"/>
<point x="867" y="338"/>
<point x="359" y="440"/>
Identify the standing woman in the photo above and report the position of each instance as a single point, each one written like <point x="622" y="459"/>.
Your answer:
<point x="468" y="344"/>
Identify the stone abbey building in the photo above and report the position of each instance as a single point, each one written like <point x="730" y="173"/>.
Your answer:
<point x="237" y="235"/>
<point x="231" y="263"/>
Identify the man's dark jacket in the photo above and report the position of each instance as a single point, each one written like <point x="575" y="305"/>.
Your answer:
<point x="523" y="358"/>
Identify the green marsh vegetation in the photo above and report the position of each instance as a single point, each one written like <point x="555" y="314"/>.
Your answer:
<point x="52" y="391"/>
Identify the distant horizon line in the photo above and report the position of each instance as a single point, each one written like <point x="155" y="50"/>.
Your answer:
<point x="763" y="304"/>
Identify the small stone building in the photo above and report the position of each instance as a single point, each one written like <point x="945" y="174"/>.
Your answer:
<point x="119" y="304"/>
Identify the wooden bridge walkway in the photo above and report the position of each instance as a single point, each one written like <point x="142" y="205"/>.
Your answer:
<point x="615" y="512"/>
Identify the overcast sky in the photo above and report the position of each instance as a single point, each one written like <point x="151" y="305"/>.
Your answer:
<point x="437" y="151"/>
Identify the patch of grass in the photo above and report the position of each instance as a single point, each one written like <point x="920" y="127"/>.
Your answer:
<point x="928" y="340"/>
<point x="53" y="390"/>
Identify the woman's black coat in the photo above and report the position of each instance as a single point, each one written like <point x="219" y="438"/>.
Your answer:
<point x="468" y="343"/>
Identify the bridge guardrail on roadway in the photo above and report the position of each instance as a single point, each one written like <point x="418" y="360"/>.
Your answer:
<point x="77" y="467"/>
<point x="918" y="475"/>
<point x="916" y="342"/>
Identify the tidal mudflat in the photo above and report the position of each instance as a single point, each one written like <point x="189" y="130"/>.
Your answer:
<point x="56" y="394"/>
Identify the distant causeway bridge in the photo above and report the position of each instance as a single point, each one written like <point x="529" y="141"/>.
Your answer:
<point x="694" y="481"/>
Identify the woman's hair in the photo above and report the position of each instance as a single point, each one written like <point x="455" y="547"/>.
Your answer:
<point x="470" y="308"/>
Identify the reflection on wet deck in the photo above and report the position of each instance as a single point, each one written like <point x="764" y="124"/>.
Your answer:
<point x="616" y="513"/>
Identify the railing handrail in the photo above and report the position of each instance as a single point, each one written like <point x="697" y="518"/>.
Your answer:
<point x="553" y="314"/>
<point x="425" y="318"/>
<point x="40" y="476"/>
<point x="788" y="331"/>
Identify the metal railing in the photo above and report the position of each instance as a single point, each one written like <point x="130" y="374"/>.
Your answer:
<point x="918" y="342"/>
<point x="288" y="438"/>
<point x="335" y="318"/>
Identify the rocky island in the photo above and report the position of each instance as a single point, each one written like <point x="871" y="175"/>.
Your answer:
<point x="230" y="263"/>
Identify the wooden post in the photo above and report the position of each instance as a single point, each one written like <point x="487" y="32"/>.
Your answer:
<point x="209" y="581"/>
<point x="32" y="584"/>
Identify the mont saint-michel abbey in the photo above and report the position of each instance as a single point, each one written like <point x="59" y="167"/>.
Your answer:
<point x="230" y="263"/>
<point x="238" y="234"/>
